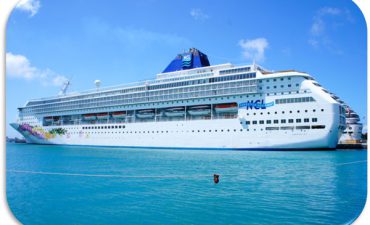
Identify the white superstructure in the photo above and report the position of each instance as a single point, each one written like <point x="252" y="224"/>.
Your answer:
<point x="210" y="107"/>
<point x="353" y="131"/>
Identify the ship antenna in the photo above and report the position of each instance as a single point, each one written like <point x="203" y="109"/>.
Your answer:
<point x="63" y="91"/>
<point x="97" y="84"/>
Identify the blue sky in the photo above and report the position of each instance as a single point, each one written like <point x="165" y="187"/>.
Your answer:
<point x="126" y="41"/>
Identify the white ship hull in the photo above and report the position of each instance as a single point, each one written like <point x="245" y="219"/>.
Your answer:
<point x="196" y="134"/>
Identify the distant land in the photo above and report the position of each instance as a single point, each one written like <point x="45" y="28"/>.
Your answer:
<point x="15" y="140"/>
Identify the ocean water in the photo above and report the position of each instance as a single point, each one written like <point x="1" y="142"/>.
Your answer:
<point x="84" y="185"/>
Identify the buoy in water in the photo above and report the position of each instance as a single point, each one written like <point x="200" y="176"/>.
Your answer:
<point x="216" y="178"/>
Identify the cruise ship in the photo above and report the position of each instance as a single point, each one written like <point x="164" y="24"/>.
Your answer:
<point x="353" y="131"/>
<point x="192" y="105"/>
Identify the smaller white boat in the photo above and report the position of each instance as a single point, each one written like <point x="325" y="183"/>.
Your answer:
<point x="48" y="119"/>
<point x="175" y="112"/>
<point x="201" y="110"/>
<point x="145" y="114"/>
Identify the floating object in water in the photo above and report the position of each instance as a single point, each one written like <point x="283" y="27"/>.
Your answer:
<point x="216" y="178"/>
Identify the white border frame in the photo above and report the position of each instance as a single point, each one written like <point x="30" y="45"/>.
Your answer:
<point x="5" y="213"/>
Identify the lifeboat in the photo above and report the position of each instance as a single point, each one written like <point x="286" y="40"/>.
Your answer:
<point x="226" y="108"/>
<point x="175" y="112"/>
<point x="89" y="116"/>
<point x="119" y="115"/>
<point x="48" y="119"/>
<point x="200" y="110"/>
<point x="145" y="113"/>
<point x="102" y="116"/>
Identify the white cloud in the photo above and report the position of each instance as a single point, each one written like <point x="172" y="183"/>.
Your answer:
<point x="319" y="24"/>
<point x="18" y="66"/>
<point x="254" y="49"/>
<point x="326" y="21"/>
<point x="198" y="14"/>
<point x="30" y="6"/>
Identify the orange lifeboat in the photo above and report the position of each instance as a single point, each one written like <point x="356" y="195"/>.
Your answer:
<point x="119" y="115"/>
<point x="102" y="116"/>
<point x="226" y="108"/>
<point x="89" y="117"/>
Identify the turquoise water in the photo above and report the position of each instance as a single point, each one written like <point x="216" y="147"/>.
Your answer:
<point x="81" y="185"/>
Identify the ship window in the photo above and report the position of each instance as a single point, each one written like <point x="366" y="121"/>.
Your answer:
<point x="283" y="121"/>
<point x="274" y="79"/>
<point x="306" y="120"/>
<point x="287" y="128"/>
<point x="254" y="122"/>
<point x="261" y="122"/>
<point x="322" y="110"/>
<point x="276" y="121"/>
<point x="272" y="128"/>
<point x="247" y="122"/>
<point x="268" y="121"/>
<point x="302" y="127"/>
<point x="298" y="120"/>
<point x="318" y="126"/>
<point x="314" y="119"/>
<point x="289" y="85"/>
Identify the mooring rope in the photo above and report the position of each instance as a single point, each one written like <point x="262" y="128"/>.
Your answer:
<point x="362" y="161"/>
<point x="143" y="176"/>
<point x="105" y="175"/>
